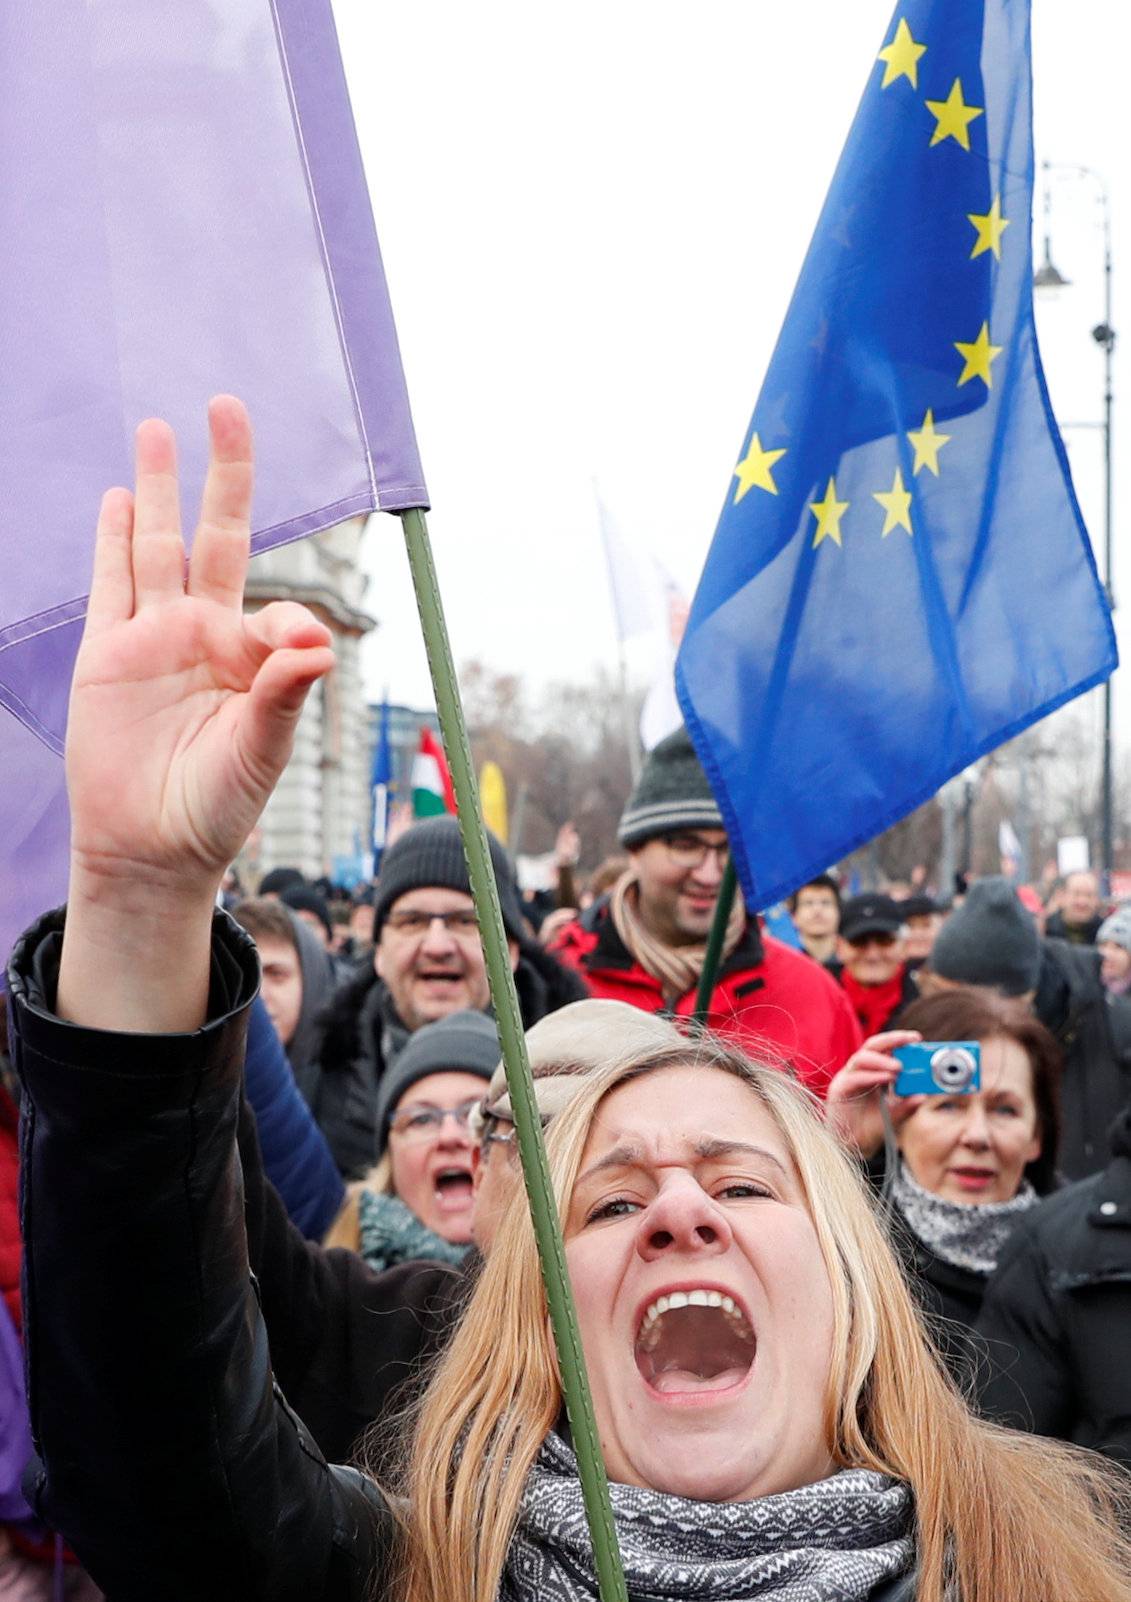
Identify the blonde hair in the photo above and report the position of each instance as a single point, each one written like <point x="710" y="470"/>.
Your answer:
<point x="999" y="1515"/>
<point x="346" y="1228"/>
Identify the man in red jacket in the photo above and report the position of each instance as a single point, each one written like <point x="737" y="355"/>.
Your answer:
<point x="645" y="942"/>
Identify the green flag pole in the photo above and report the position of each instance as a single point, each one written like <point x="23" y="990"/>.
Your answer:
<point x="528" y="1125"/>
<point x="710" y="973"/>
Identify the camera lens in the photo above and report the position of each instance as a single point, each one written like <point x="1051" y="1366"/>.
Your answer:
<point x="952" y="1068"/>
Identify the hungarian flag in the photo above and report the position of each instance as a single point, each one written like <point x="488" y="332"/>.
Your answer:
<point x="432" y="791"/>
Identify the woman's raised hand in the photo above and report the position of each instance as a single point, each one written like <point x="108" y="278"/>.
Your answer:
<point x="182" y="717"/>
<point x="853" y="1099"/>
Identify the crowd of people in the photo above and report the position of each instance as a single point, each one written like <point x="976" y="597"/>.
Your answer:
<point x="281" y="1309"/>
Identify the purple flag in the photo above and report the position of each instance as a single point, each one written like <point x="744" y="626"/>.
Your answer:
<point x="183" y="212"/>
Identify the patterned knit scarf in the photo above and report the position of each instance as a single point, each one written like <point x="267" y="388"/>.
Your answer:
<point x="390" y="1234"/>
<point x="830" y="1542"/>
<point x="968" y="1235"/>
<point x="676" y="967"/>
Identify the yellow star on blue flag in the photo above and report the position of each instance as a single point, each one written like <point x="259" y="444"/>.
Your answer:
<point x="914" y="584"/>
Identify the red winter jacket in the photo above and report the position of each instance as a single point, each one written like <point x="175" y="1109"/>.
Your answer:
<point x="767" y="994"/>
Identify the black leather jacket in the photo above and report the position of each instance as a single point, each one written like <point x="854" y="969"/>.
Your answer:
<point x="170" y="1459"/>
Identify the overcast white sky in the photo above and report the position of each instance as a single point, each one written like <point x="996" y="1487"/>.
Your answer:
<point x="592" y="217"/>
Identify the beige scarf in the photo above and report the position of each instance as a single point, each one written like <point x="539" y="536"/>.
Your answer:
<point x="676" y="967"/>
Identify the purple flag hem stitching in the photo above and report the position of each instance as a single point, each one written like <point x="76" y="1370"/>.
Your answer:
<point x="339" y="198"/>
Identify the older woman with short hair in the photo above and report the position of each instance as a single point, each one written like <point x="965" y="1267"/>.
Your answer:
<point x="970" y="1165"/>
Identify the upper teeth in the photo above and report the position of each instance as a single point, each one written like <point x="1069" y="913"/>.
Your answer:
<point x="694" y="1298"/>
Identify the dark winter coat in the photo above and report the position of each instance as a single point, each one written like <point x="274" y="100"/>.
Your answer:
<point x="950" y="1299"/>
<point x="170" y="1458"/>
<point x="1077" y="934"/>
<point x="1094" y="1031"/>
<point x="1057" y="1314"/>
<point x="767" y="994"/>
<point x="362" y="1033"/>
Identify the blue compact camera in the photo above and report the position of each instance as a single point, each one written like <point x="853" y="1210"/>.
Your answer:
<point x="939" y="1068"/>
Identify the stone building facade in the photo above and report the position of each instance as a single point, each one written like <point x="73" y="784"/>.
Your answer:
<point x="320" y="808"/>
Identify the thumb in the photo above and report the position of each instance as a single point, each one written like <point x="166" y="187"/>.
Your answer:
<point x="274" y="703"/>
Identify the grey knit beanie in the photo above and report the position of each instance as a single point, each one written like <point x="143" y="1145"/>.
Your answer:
<point x="989" y="940"/>
<point x="672" y="793"/>
<point x="463" y="1043"/>
<point x="1116" y="930"/>
<point x="431" y="853"/>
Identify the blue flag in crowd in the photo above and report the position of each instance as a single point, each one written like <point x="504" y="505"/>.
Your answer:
<point x="382" y="784"/>
<point x="900" y="579"/>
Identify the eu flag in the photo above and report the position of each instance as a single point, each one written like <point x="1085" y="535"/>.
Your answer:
<point x="900" y="579"/>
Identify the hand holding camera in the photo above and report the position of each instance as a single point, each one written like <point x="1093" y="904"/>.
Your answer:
<point x="853" y="1100"/>
<point x="905" y="1067"/>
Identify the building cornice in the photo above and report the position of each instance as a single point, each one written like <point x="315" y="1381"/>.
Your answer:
<point x="318" y="597"/>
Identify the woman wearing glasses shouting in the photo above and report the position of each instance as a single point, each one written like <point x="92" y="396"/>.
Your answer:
<point x="416" y="1203"/>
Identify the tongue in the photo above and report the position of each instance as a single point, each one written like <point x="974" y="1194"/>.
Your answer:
<point x="682" y="1379"/>
<point x="694" y="1348"/>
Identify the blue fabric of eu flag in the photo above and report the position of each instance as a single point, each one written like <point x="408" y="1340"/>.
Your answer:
<point x="900" y="579"/>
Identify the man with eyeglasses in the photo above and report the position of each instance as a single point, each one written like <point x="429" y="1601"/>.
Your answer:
<point x="646" y="941"/>
<point x="871" y="956"/>
<point x="427" y="963"/>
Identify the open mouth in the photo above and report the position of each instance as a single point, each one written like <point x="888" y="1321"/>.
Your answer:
<point x="696" y="1340"/>
<point x="453" y="1188"/>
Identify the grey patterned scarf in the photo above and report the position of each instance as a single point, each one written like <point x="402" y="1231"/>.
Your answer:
<point x="968" y="1235"/>
<point x="830" y="1542"/>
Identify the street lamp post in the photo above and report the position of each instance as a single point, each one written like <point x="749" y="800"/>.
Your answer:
<point x="1047" y="277"/>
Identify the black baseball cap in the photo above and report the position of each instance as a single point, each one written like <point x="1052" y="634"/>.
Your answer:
<point x="870" y="914"/>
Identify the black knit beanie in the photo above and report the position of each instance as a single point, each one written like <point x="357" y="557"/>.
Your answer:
<point x="672" y="793"/>
<point x="277" y="879"/>
<point x="463" y="1042"/>
<point x="431" y="853"/>
<point x="989" y="940"/>
<point x="304" y="898"/>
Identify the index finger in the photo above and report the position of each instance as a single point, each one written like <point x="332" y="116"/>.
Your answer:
<point x="218" y="565"/>
<point x="112" y="582"/>
<point x="889" y="1039"/>
<point x="158" y="553"/>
